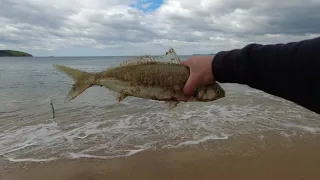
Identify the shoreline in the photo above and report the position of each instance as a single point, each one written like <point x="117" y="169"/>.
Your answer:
<point x="242" y="157"/>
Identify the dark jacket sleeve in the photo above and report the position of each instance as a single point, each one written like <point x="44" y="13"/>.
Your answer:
<point x="290" y="71"/>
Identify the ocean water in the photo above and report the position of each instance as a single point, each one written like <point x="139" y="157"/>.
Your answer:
<point x="95" y="125"/>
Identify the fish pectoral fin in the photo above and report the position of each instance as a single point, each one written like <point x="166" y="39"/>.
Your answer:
<point x="121" y="97"/>
<point x="172" y="104"/>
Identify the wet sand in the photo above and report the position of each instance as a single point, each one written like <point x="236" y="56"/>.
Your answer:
<point x="272" y="157"/>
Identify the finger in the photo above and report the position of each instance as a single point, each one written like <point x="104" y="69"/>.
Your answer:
<point x="185" y="63"/>
<point x="190" y="85"/>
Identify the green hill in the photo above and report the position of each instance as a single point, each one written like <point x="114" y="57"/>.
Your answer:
<point x="8" y="53"/>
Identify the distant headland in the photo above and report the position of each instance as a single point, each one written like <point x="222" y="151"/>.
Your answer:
<point x="11" y="53"/>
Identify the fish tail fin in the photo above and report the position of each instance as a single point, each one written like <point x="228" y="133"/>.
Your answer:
<point x="82" y="81"/>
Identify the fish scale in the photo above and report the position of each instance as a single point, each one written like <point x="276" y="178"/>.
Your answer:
<point x="155" y="74"/>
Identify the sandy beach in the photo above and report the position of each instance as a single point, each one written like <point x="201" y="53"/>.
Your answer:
<point x="244" y="158"/>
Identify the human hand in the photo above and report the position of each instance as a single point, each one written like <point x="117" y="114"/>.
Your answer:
<point x="200" y="73"/>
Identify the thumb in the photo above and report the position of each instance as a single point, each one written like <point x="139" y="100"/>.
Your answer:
<point x="190" y="85"/>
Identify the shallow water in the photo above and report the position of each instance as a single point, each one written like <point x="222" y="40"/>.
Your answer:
<point x="96" y="125"/>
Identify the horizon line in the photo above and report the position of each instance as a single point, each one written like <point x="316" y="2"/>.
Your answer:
<point x="124" y="55"/>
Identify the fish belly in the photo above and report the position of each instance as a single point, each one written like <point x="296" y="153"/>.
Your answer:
<point x="141" y="91"/>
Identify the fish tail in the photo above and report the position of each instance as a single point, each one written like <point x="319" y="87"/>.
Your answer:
<point x="82" y="81"/>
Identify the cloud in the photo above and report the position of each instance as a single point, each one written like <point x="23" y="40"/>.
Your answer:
<point x="125" y="27"/>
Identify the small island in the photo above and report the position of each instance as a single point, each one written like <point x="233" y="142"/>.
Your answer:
<point x="11" y="53"/>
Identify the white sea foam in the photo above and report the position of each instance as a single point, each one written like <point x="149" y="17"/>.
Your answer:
<point x="79" y="155"/>
<point x="30" y="160"/>
<point x="82" y="155"/>
<point x="301" y="127"/>
<point x="35" y="135"/>
<point x="132" y="152"/>
<point x="195" y="142"/>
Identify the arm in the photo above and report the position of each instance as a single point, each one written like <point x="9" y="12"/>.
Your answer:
<point x="290" y="71"/>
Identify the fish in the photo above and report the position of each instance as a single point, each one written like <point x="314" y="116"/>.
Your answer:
<point x="161" y="79"/>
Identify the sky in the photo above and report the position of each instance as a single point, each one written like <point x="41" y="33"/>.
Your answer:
<point x="141" y="27"/>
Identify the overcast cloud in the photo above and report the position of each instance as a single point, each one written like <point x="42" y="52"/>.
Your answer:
<point x="131" y="27"/>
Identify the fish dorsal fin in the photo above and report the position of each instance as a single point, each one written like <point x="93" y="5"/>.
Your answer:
<point x="139" y="60"/>
<point x="169" y="57"/>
